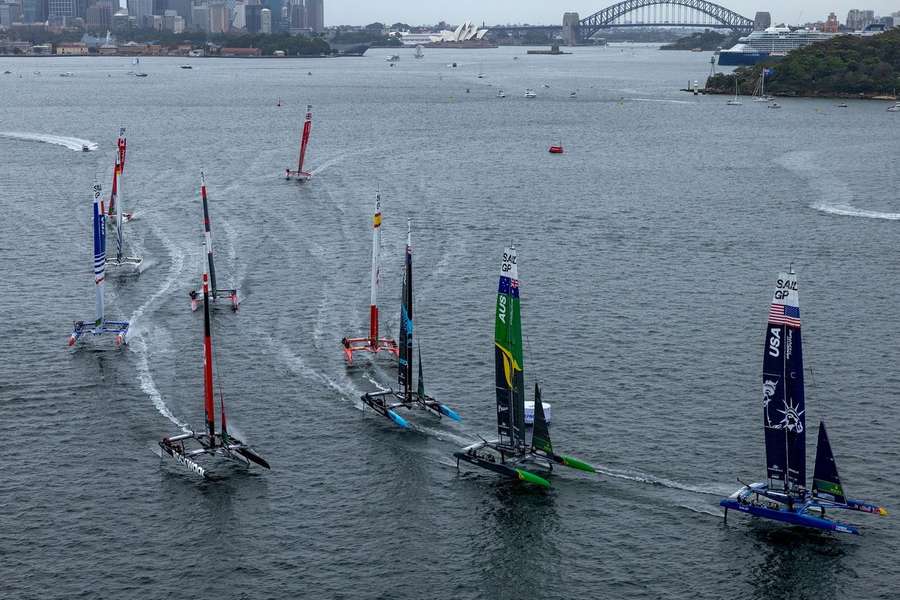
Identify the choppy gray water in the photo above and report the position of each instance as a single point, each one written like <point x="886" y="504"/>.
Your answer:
<point x="647" y="256"/>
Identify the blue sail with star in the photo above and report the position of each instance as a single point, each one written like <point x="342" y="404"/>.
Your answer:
<point x="784" y="408"/>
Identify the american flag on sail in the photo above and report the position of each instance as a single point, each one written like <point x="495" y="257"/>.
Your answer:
<point x="779" y="314"/>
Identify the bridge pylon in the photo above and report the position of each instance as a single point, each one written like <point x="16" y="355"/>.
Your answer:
<point x="570" y="28"/>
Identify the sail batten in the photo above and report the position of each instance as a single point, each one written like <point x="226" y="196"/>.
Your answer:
<point x="783" y="392"/>
<point x="508" y="360"/>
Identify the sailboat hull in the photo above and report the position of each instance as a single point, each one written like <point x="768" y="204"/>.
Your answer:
<point x="786" y="515"/>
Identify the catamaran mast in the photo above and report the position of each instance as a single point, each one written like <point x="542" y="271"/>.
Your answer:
<point x="208" y="405"/>
<point x="376" y="251"/>
<point x="405" y="373"/>
<point x="304" y="141"/>
<point x="207" y="235"/>
<point x="99" y="253"/>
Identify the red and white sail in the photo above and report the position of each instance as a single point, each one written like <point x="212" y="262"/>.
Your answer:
<point x="304" y="141"/>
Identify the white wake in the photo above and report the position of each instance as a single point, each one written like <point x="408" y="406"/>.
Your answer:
<point x="72" y="143"/>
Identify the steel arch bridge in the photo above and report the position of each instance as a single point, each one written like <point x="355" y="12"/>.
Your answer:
<point x="717" y="17"/>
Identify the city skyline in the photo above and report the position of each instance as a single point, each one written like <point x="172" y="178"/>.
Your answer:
<point x="545" y="12"/>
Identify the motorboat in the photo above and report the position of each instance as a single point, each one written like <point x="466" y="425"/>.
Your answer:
<point x="529" y="93"/>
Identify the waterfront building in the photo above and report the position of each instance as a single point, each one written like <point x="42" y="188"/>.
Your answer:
<point x="831" y="25"/>
<point x="71" y="49"/>
<point x="265" y="21"/>
<point x="122" y="21"/>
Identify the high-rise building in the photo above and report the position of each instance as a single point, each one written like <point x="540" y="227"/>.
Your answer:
<point x="831" y="25"/>
<point x="34" y="11"/>
<point x="218" y="17"/>
<point x="10" y="12"/>
<point x="61" y="8"/>
<point x="253" y="17"/>
<point x="265" y="21"/>
<point x="98" y="16"/>
<point x="182" y="8"/>
<point x="298" y="14"/>
<point x="315" y="15"/>
<point x="139" y="9"/>
<point x="200" y="17"/>
<point x="858" y="19"/>
<point x="274" y="7"/>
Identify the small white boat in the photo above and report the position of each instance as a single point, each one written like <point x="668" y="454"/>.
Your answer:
<point x="894" y="108"/>
<point x="501" y="94"/>
<point x="774" y="105"/>
<point x="186" y="67"/>
<point x="529" y="93"/>
<point x="67" y="74"/>
<point x="573" y="94"/>
<point x="547" y="86"/>
<point x="843" y="105"/>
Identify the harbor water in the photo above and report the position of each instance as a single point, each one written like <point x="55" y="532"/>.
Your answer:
<point x="647" y="258"/>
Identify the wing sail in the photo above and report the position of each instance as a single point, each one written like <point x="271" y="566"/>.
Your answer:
<point x="784" y="407"/>
<point x="508" y="361"/>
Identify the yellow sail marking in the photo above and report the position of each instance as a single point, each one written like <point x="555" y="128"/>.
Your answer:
<point x="509" y="364"/>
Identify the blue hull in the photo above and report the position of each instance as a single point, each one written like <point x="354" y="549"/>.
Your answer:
<point x="788" y="516"/>
<point x="738" y="59"/>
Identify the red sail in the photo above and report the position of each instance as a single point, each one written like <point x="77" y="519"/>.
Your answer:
<point x="207" y="364"/>
<point x="305" y="140"/>
<point x="115" y="188"/>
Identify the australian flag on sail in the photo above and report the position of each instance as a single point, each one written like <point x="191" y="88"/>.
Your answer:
<point x="780" y="314"/>
<point x="509" y="286"/>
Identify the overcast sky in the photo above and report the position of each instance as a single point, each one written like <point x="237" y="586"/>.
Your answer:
<point x="355" y="12"/>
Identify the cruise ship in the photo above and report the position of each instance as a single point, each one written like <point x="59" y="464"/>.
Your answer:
<point x="774" y="41"/>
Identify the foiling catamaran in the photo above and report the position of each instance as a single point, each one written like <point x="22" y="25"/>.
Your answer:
<point x="114" y="202"/>
<point x="518" y="445"/>
<point x="785" y="497"/>
<point x="373" y="343"/>
<point x="121" y="262"/>
<point x="100" y="325"/>
<point x="301" y="175"/>
<point x="385" y="403"/>
<point x="194" y="450"/>
<point x="216" y="293"/>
